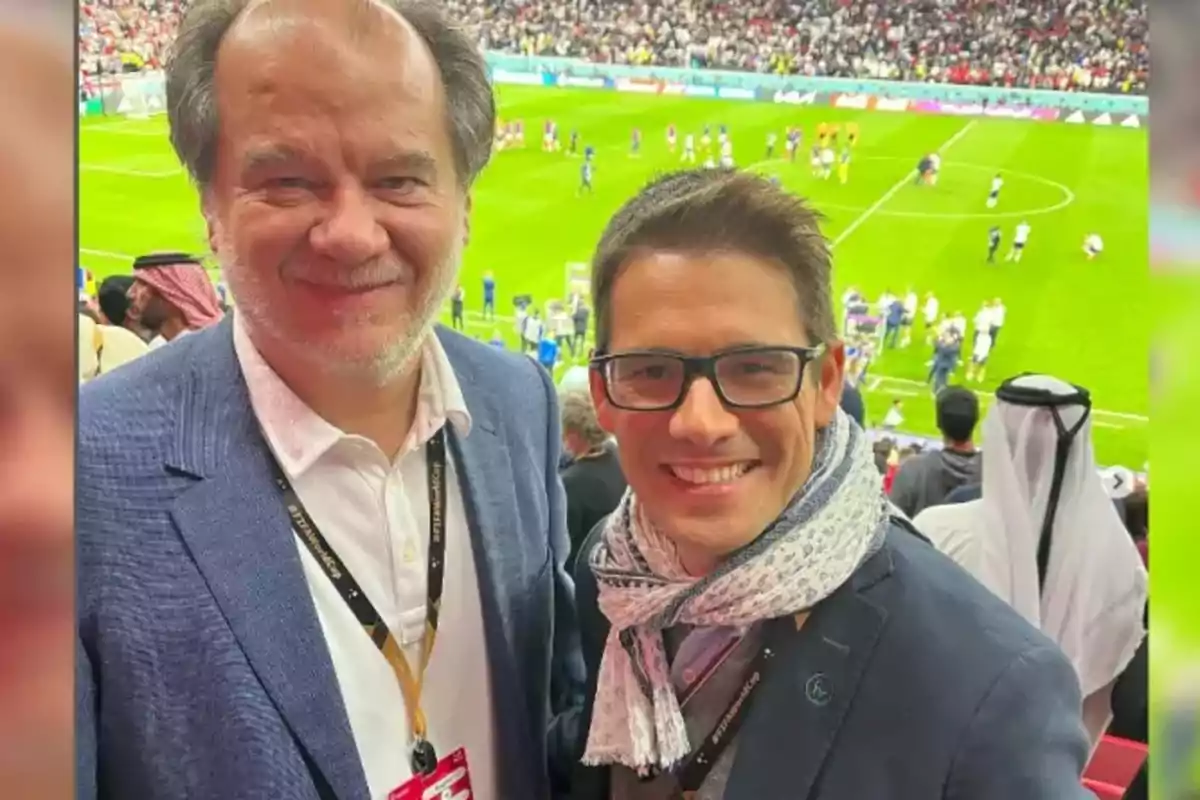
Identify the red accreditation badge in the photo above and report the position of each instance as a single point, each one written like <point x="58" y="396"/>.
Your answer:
<point x="450" y="780"/>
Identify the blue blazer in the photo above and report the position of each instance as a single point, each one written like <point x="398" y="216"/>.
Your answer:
<point x="202" y="668"/>
<point x="911" y="682"/>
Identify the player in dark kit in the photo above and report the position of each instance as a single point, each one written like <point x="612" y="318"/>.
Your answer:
<point x="993" y="243"/>
<point x="924" y="166"/>
<point x="574" y="148"/>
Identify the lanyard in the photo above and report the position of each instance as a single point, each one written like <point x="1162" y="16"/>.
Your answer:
<point x="692" y="773"/>
<point x="423" y="756"/>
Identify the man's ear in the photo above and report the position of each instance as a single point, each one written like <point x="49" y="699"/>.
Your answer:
<point x="467" y="221"/>
<point x="208" y="210"/>
<point x="605" y="413"/>
<point x="831" y="372"/>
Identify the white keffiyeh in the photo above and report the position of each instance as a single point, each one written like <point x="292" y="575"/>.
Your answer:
<point x="836" y="520"/>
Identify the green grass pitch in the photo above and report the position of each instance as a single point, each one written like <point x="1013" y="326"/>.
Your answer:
<point x="1082" y="320"/>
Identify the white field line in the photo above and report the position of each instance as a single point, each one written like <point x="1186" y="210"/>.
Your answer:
<point x="133" y="173"/>
<point x="988" y="396"/>
<point x="900" y="184"/>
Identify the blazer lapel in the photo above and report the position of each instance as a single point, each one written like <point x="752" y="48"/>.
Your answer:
<point x="807" y="692"/>
<point x="484" y="476"/>
<point x="240" y="537"/>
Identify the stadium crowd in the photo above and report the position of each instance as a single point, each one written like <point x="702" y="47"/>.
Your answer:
<point x="1070" y="45"/>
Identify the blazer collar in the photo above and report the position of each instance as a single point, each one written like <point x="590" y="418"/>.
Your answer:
<point x="808" y="690"/>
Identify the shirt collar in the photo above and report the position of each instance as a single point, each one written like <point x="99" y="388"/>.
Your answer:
<point x="299" y="436"/>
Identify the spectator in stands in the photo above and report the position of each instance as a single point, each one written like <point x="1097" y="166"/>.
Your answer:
<point x="925" y="480"/>
<point x="756" y="529"/>
<point x="113" y="299"/>
<point x="172" y="295"/>
<point x="594" y="482"/>
<point x="852" y="403"/>
<point x="1062" y="559"/>
<point x="221" y="654"/>
<point x="37" y="372"/>
<point x="103" y="348"/>
<point x="1070" y="45"/>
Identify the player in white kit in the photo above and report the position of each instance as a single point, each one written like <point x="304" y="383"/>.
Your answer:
<point x="930" y="313"/>
<point x="1093" y="245"/>
<point x="827" y="159"/>
<point x="994" y="194"/>
<point x="689" y="149"/>
<point x="936" y="166"/>
<point x="727" y="153"/>
<point x="1019" y="240"/>
<point x="979" y="355"/>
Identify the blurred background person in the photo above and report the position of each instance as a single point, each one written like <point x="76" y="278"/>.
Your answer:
<point x="1046" y="538"/>
<point x="593" y="480"/>
<point x="113" y="299"/>
<point x="172" y="295"/>
<point x="103" y="348"/>
<point x="927" y="479"/>
<point x="37" y="383"/>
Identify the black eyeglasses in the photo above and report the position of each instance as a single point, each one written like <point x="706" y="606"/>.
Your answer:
<point x="751" y="377"/>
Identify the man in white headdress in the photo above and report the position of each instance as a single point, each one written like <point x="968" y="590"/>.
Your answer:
<point x="1046" y="537"/>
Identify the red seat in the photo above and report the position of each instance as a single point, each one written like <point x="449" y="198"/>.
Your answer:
<point x="1104" y="791"/>
<point x="1114" y="766"/>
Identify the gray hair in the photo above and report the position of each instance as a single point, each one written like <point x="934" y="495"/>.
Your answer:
<point x="191" y="91"/>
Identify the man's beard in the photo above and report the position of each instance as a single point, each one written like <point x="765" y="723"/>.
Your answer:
<point x="380" y="367"/>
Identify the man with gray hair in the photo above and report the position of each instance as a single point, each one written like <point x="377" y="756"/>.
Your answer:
<point x="321" y="544"/>
<point x="593" y="479"/>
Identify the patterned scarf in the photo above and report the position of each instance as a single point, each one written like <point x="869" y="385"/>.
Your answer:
<point x="836" y="520"/>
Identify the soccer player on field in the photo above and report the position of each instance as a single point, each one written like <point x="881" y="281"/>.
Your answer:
<point x="923" y="168"/>
<point x="573" y="147"/>
<point x="980" y="350"/>
<point x="635" y="142"/>
<point x="705" y="140"/>
<point x="993" y="243"/>
<point x="586" y="171"/>
<point x="671" y="137"/>
<point x="822" y="134"/>
<point x="518" y="132"/>
<point x="1093" y="245"/>
<point x="689" y="149"/>
<point x="772" y="137"/>
<point x="844" y="166"/>
<point x="852" y="133"/>
<point x="727" y="153"/>
<point x="994" y="193"/>
<point x="827" y="159"/>
<point x="816" y="161"/>
<point x="1020" y="238"/>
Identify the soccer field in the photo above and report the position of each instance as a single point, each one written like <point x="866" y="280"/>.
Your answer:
<point x="1081" y="320"/>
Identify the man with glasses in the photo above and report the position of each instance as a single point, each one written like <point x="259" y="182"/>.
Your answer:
<point x="753" y="599"/>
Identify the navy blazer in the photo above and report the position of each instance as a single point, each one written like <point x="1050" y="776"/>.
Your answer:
<point x="911" y="682"/>
<point x="202" y="668"/>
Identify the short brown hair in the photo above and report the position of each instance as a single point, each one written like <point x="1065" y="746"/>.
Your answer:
<point x="719" y="209"/>
<point x="579" y="417"/>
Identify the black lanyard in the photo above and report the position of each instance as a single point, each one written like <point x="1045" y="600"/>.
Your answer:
<point x="692" y="773"/>
<point x="423" y="756"/>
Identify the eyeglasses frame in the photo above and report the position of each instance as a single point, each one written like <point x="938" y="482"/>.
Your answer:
<point x="706" y="367"/>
